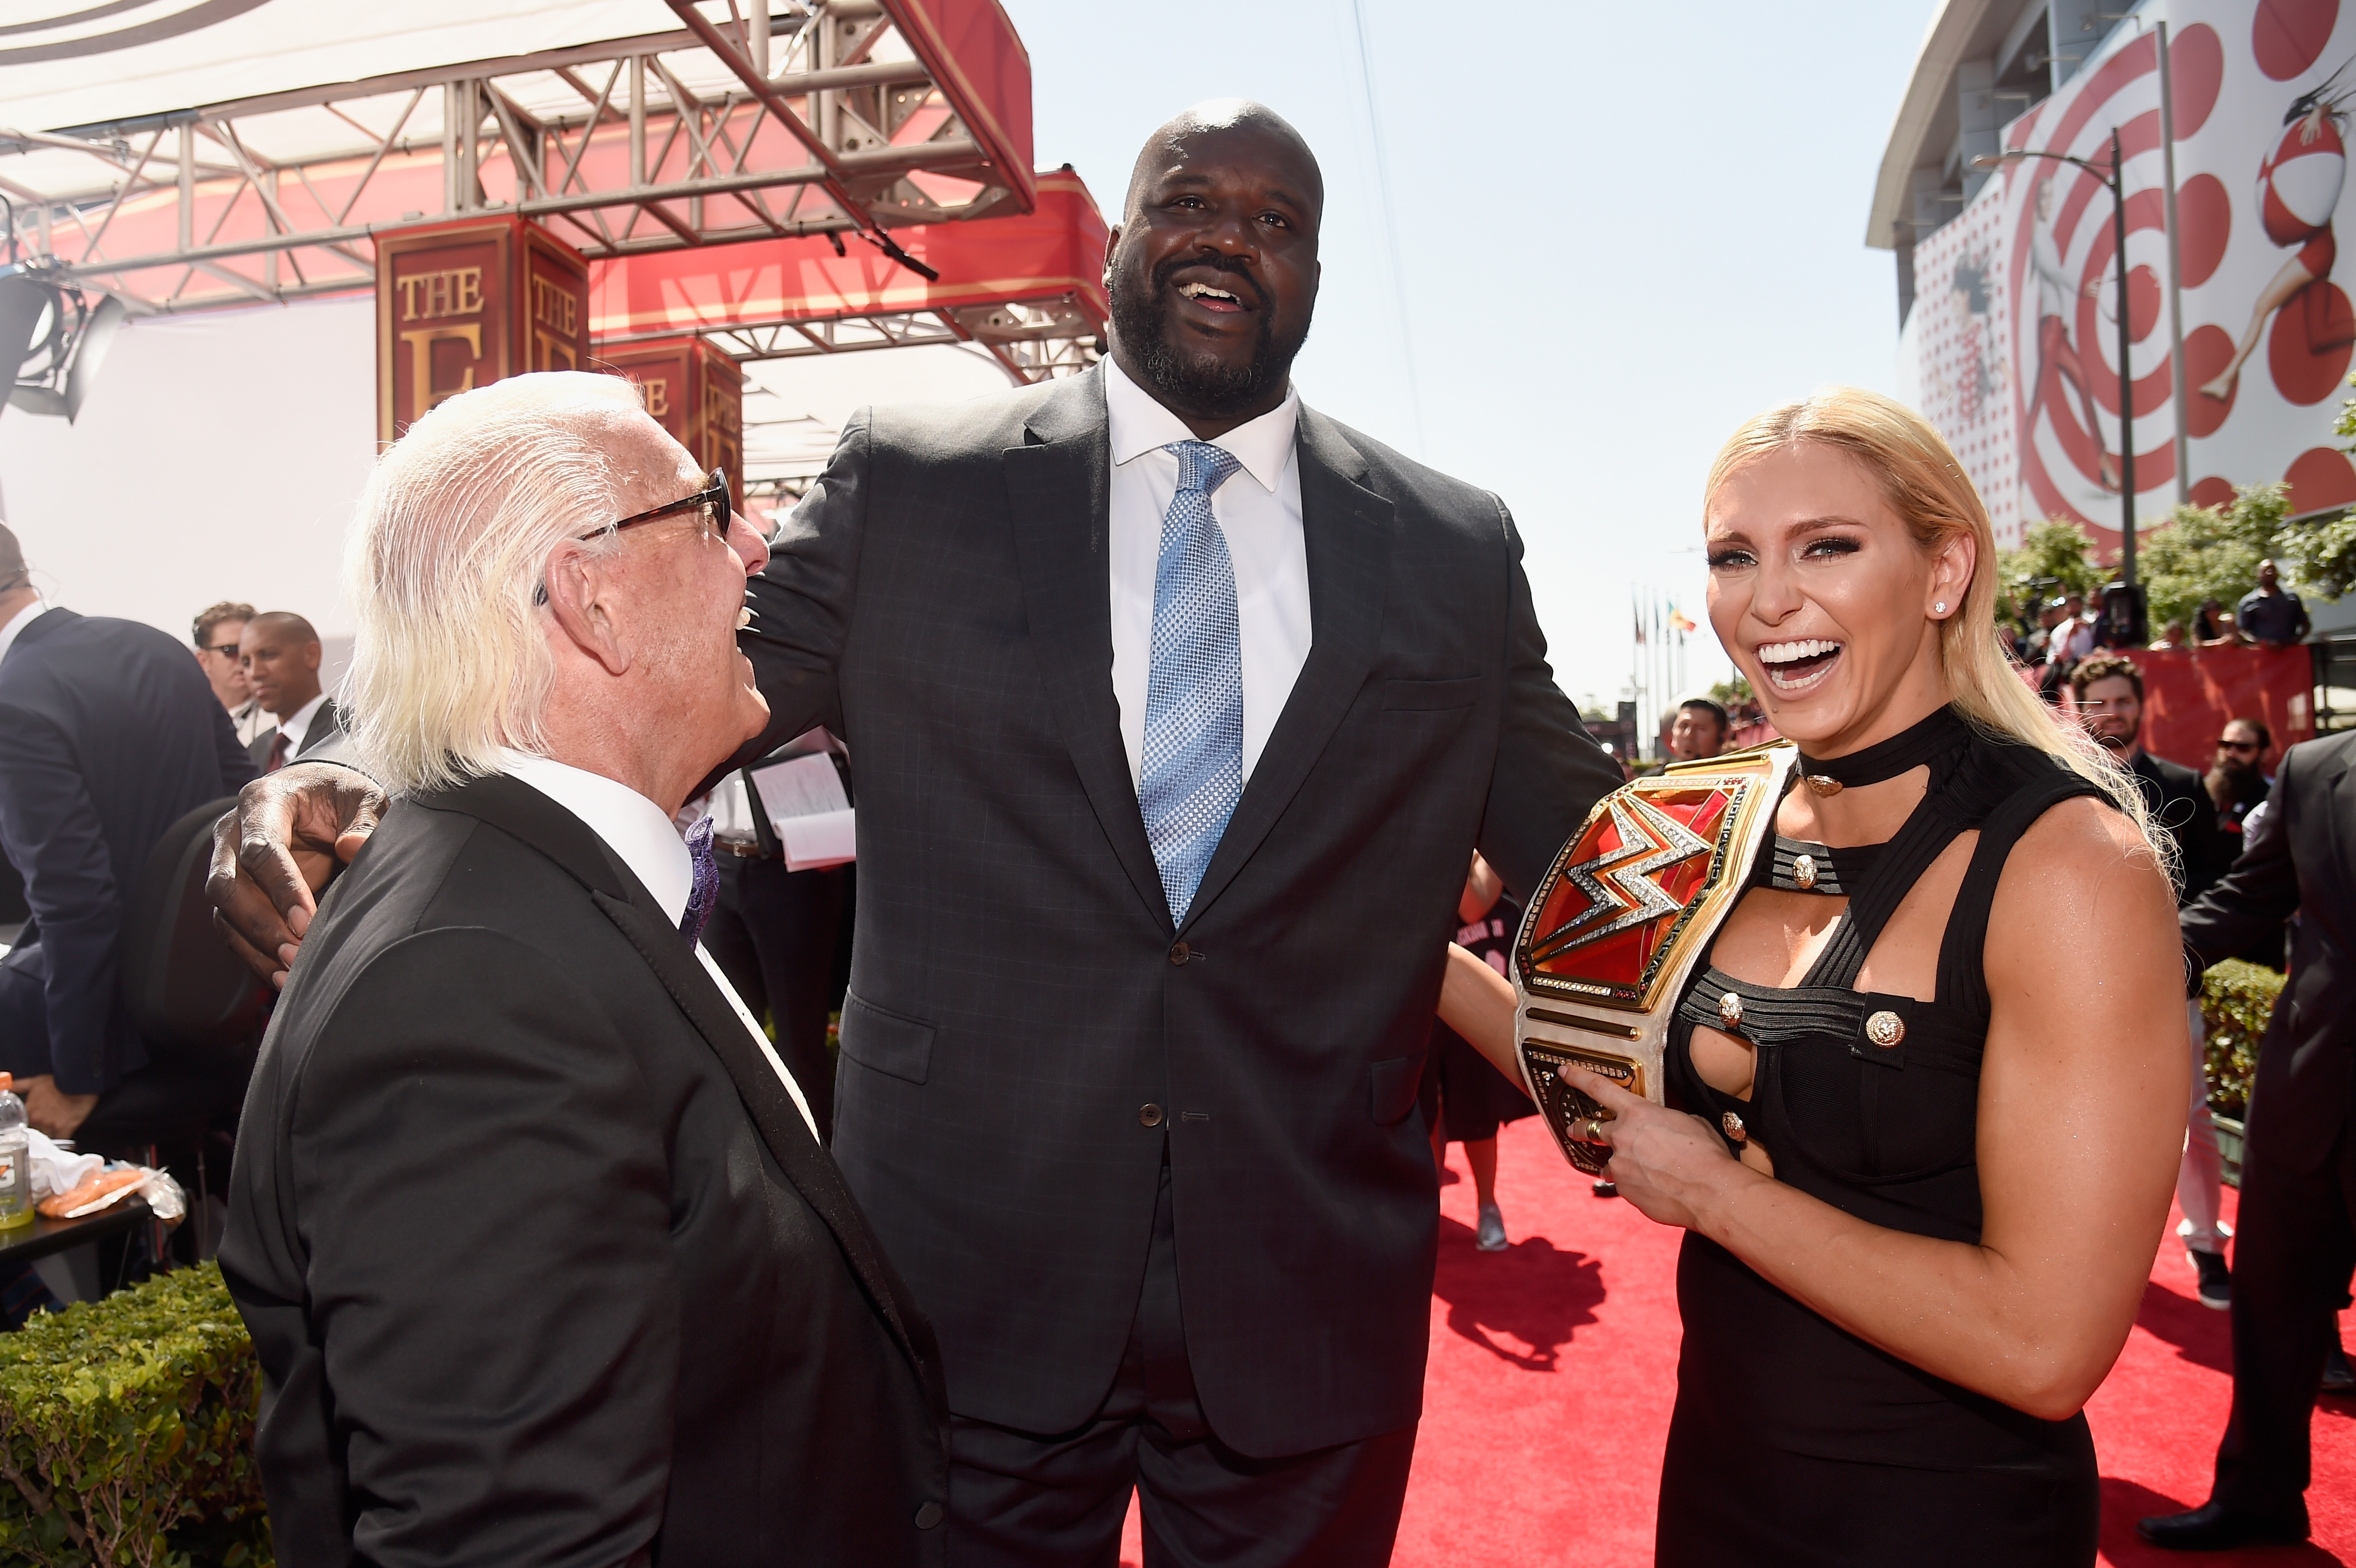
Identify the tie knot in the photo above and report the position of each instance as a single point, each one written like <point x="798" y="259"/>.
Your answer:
<point x="1201" y="466"/>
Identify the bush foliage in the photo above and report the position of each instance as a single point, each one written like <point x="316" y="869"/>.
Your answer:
<point x="2055" y="552"/>
<point x="126" y="1431"/>
<point x="2195" y="553"/>
<point x="2236" y="1000"/>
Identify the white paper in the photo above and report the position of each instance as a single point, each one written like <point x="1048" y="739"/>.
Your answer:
<point x="812" y="816"/>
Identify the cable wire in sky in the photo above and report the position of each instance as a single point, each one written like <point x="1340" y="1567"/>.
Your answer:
<point x="1390" y="220"/>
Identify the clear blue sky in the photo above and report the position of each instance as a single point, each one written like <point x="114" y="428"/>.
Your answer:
<point x="1622" y="230"/>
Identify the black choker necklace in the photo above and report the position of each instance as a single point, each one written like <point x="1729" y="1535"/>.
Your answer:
<point x="1943" y="731"/>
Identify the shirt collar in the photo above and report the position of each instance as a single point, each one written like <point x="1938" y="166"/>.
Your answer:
<point x="297" y="724"/>
<point x="1140" y="425"/>
<point x="18" y="621"/>
<point x="633" y="827"/>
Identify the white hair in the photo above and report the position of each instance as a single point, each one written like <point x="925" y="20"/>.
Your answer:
<point x="451" y="665"/>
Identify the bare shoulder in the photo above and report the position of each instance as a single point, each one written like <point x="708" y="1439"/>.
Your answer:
<point x="2082" y="867"/>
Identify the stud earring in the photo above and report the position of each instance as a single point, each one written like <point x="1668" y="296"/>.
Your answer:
<point x="1940" y="608"/>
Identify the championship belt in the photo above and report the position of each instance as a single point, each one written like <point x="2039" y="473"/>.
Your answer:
<point x="1619" y="921"/>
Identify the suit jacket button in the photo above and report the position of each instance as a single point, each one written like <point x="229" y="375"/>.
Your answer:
<point x="1149" y="1116"/>
<point x="1180" y="952"/>
<point x="929" y="1515"/>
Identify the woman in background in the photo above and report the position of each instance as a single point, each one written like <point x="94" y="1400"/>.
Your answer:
<point x="1464" y="1098"/>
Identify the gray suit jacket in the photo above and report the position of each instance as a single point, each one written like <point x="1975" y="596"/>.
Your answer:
<point x="1028" y="1037"/>
<point x="2303" y="863"/>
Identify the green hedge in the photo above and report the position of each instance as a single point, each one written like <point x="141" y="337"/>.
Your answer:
<point x="2237" y="999"/>
<point x="126" y="1431"/>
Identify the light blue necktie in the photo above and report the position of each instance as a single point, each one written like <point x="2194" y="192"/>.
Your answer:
<point x="1192" y="772"/>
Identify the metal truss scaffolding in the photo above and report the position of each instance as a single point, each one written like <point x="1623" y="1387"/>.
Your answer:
<point x="837" y="117"/>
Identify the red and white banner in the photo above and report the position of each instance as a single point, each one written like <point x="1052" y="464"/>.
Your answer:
<point x="2263" y="92"/>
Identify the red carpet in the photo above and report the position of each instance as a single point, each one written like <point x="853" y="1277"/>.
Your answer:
<point x="1565" y="1346"/>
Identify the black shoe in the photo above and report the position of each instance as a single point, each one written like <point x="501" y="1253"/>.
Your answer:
<point x="2211" y="1528"/>
<point x="1607" y="1190"/>
<point x="2216" y="1279"/>
<point x="2337" y="1378"/>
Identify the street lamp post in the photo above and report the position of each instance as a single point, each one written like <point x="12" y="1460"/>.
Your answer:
<point x="2115" y="178"/>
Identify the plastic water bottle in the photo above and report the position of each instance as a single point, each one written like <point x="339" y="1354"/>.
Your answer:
<point x="16" y="1167"/>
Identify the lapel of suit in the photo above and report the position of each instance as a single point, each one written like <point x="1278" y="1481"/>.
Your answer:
<point x="326" y="724"/>
<point x="516" y="809"/>
<point x="810" y="1167"/>
<point x="2338" y="792"/>
<point x="1349" y="530"/>
<point x="1059" y="486"/>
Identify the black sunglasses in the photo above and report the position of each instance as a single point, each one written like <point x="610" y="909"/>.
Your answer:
<point x="2249" y="746"/>
<point x="712" y="501"/>
<point x="229" y="648"/>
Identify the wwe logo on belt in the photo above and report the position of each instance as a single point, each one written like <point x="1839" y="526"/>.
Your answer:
<point x="1619" y="882"/>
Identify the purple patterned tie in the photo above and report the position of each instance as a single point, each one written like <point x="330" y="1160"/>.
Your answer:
<point x="704" y="890"/>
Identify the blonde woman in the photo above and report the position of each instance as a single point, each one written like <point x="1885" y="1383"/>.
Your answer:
<point x="1928" y="1091"/>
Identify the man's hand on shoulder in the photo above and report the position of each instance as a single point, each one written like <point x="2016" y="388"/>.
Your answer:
<point x="273" y="853"/>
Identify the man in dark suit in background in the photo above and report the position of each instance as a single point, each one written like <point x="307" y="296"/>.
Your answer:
<point x="2107" y="694"/>
<point x="1179" y="709"/>
<point x="108" y="733"/>
<point x="541" y="1257"/>
<point x="2296" y="1240"/>
<point x="281" y="654"/>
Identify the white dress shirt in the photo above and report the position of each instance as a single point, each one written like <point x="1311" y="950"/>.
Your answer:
<point x="636" y="830"/>
<point x="297" y="726"/>
<point x="2073" y="639"/>
<point x="25" y="617"/>
<point x="1258" y="511"/>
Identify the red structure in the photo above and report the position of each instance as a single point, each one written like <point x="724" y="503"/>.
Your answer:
<point x="1027" y="287"/>
<point x="459" y="306"/>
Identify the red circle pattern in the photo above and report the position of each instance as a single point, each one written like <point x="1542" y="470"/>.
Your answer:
<point x="2143" y="302"/>
<point x="2319" y="477"/>
<point x="2308" y="346"/>
<point x="2207" y="351"/>
<point x="2204" y="222"/>
<point x="2196" y="69"/>
<point x="2213" y="492"/>
<point x="2288" y="35"/>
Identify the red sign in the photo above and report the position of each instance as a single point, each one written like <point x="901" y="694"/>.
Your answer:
<point x="459" y="306"/>
<point x="2189" y="695"/>
<point x="695" y="392"/>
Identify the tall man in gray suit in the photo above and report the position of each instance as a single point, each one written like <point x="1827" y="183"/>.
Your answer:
<point x="1179" y="711"/>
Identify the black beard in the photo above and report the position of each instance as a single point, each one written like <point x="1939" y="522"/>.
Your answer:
<point x="1201" y="384"/>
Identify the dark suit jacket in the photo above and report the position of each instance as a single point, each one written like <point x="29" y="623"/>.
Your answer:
<point x="2181" y="803"/>
<point x="1026" y="1033"/>
<point x="2303" y="863"/>
<point x="109" y="734"/>
<point x="540" y="1262"/>
<point x="325" y="725"/>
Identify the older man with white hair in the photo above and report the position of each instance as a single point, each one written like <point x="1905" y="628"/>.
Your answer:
<point x="541" y="1256"/>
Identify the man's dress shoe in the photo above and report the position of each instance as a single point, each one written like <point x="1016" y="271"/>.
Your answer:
<point x="2212" y="1528"/>
<point x="2337" y="1378"/>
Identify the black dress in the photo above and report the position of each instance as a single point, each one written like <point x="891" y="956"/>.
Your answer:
<point x="1794" y="1441"/>
<point x="1458" y="1081"/>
